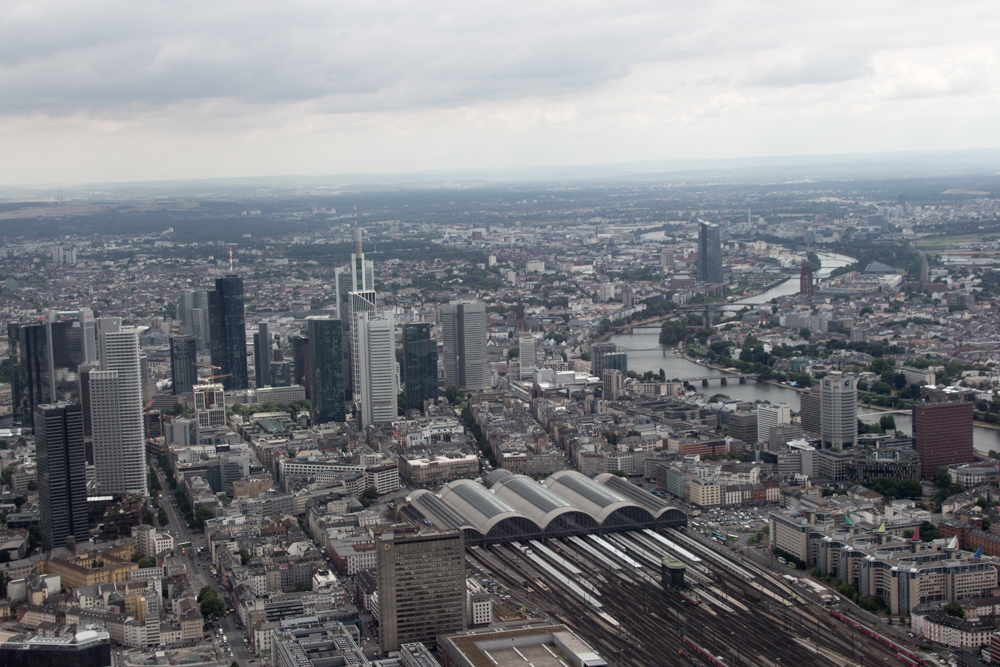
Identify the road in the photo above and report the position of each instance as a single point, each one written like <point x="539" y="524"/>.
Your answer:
<point x="199" y="574"/>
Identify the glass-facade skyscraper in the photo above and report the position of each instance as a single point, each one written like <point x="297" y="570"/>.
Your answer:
<point x="420" y="362"/>
<point x="463" y="332"/>
<point x="62" y="474"/>
<point x="327" y="369"/>
<point x="183" y="355"/>
<point x="709" y="266"/>
<point x="227" y="322"/>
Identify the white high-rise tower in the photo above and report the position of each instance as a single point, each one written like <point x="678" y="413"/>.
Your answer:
<point x="377" y="388"/>
<point x="116" y="411"/>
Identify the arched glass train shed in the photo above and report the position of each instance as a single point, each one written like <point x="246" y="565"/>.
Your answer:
<point x="518" y="508"/>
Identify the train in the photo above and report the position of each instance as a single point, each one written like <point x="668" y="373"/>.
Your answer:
<point x="704" y="654"/>
<point x="690" y="658"/>
<point x="908" y="661"/>
<point x="690" y="597"/>
<point x="899" y="649"/>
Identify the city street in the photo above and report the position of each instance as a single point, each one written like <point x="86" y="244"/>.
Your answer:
<point x="198" y="571"/>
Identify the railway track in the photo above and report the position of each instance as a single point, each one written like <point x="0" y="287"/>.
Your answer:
<point x="642" y="624"/>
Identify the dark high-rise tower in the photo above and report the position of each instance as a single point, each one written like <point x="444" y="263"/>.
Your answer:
<point x="709" y="254"/>
<point x="62" y="476"/>
<point x="183" y="355"/>
<point x="327" y="369"/>
<point x="46" y="357"/>
<point x="942" y="435"/>
<point x="262" y="355"/>
<point x="300" y="362"/>
<point x="227" y="322"/>
<point x="806" y="280"/>
<point x="420" y="361"/>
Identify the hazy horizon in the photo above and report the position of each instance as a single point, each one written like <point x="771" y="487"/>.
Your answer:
<point x="116" y="92"/>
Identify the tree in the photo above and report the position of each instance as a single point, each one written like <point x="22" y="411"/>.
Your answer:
<point x="805" y="334"/>
<point x="882" y="388"/>
<point x="514" y="352"/>
<point x="899" y="381"/>
<point x="954" y="609"/>
<point x="146" y="562"/>
<point x="942" y="479"/>
<point x="210" y="603"/>
<point x="244" y="556"/>
<point x="161" y="517"/>
<point x="672" y="332"/>
<point x="292" y="452"/>
<point x="618" y="473"/>
<point x="201" y="516"/>
<point x="454" y="394"/>
<point x="887" y="422"/>
<point x="368" y="496"/>
<point x="611" y="437"/>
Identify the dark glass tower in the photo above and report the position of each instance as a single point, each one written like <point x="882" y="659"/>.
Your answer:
<point x="262" y="355"/>
<point x="420" y="361"/>
<point x="45" y="361"/>
<point x="327" y="369"/>
<point x="62" y="475"/>
<point x="183" y="355"/>
<point x="227" y="322"/>
<point x="709" y="254"/>
<point x="300" y="362"/>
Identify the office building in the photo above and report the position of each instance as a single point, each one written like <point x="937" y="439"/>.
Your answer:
<point x="262" y="356"/>
<point x="192" y="310"/>
<point x="209" y="406"/>
<point x="45" y="359"/>
<point x="88" y="431"/>
<point x="300" y="362"/>
<point x="116" y="411"/>
<point x="62" y="474"/>
<point x="377" y="368"/>
<point x="281" y="374"/>
<point x="709" y="266"/>
<point x="463" y="330"/>
<point x="360" y="303"/>
<point x="769" y="416"/>
<point x="528" y="349"/>
<point x="86" y="648"/>
<point x="614" y="384"/>
<point x="421" y="587"/>
<point x="183" y="356"/>
<point x="307" y="642"/>
<point x="606" y="356"/>
<point x="327" y="369"/>
<point x="806" y="284"/>
<point x="420" y="365"/>
<point x="743" y="426"/>
<point x="810" y="411"/>
<point x="839" y="410"/>
<point x="942" y="435"/>
<point x="227" y="322"/>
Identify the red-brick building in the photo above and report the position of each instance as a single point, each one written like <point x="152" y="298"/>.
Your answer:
<point x="942" y="434"/>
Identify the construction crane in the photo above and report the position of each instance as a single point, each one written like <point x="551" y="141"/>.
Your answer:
<point x="214" y="376"/>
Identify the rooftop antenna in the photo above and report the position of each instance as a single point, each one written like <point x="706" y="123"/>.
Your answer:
<point x="357" y="233"/>
<point x="230" y="258"/>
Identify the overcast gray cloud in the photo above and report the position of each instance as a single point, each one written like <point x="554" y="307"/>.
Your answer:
<point x="116" y="89"/>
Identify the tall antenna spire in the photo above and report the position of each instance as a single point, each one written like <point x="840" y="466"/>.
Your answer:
<point x="357" y="233"/>
<point x="230" y="258"/>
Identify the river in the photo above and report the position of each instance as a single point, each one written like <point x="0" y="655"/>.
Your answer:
<point x="645" y="354"/>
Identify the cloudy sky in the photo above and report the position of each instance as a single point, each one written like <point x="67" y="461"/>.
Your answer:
<point x="122" y="90"/>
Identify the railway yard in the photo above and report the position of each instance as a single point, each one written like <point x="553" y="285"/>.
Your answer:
<point x="733" y="613"/>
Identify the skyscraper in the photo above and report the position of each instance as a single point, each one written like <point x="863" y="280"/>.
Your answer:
<point x="839" y="410"/>
<point x="942" y="435"/>
<point x="769" y="416"/>
<point x="62" y="475"/>
<point x="463" y="330"/>
<point x="192" y="310"/>
<point x="45" y="359"/>
<point x="116" y="411"/>
<point x="420" y="363"/>
<point x="227" y="322"/>
<point x="300" y="363"/>
<point x="806" y="280"/>
<point x="183" y="355"/>
<point x="528" y="357"/>
<point x="421" y="587"/>
<point x="361" y="303"/>
<point x="811" y="410"/>
<point x="326" y="369"/>
<point x="262" y="355"/>
<point x="709" y="267"/>
<point x="377" y="389"/>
